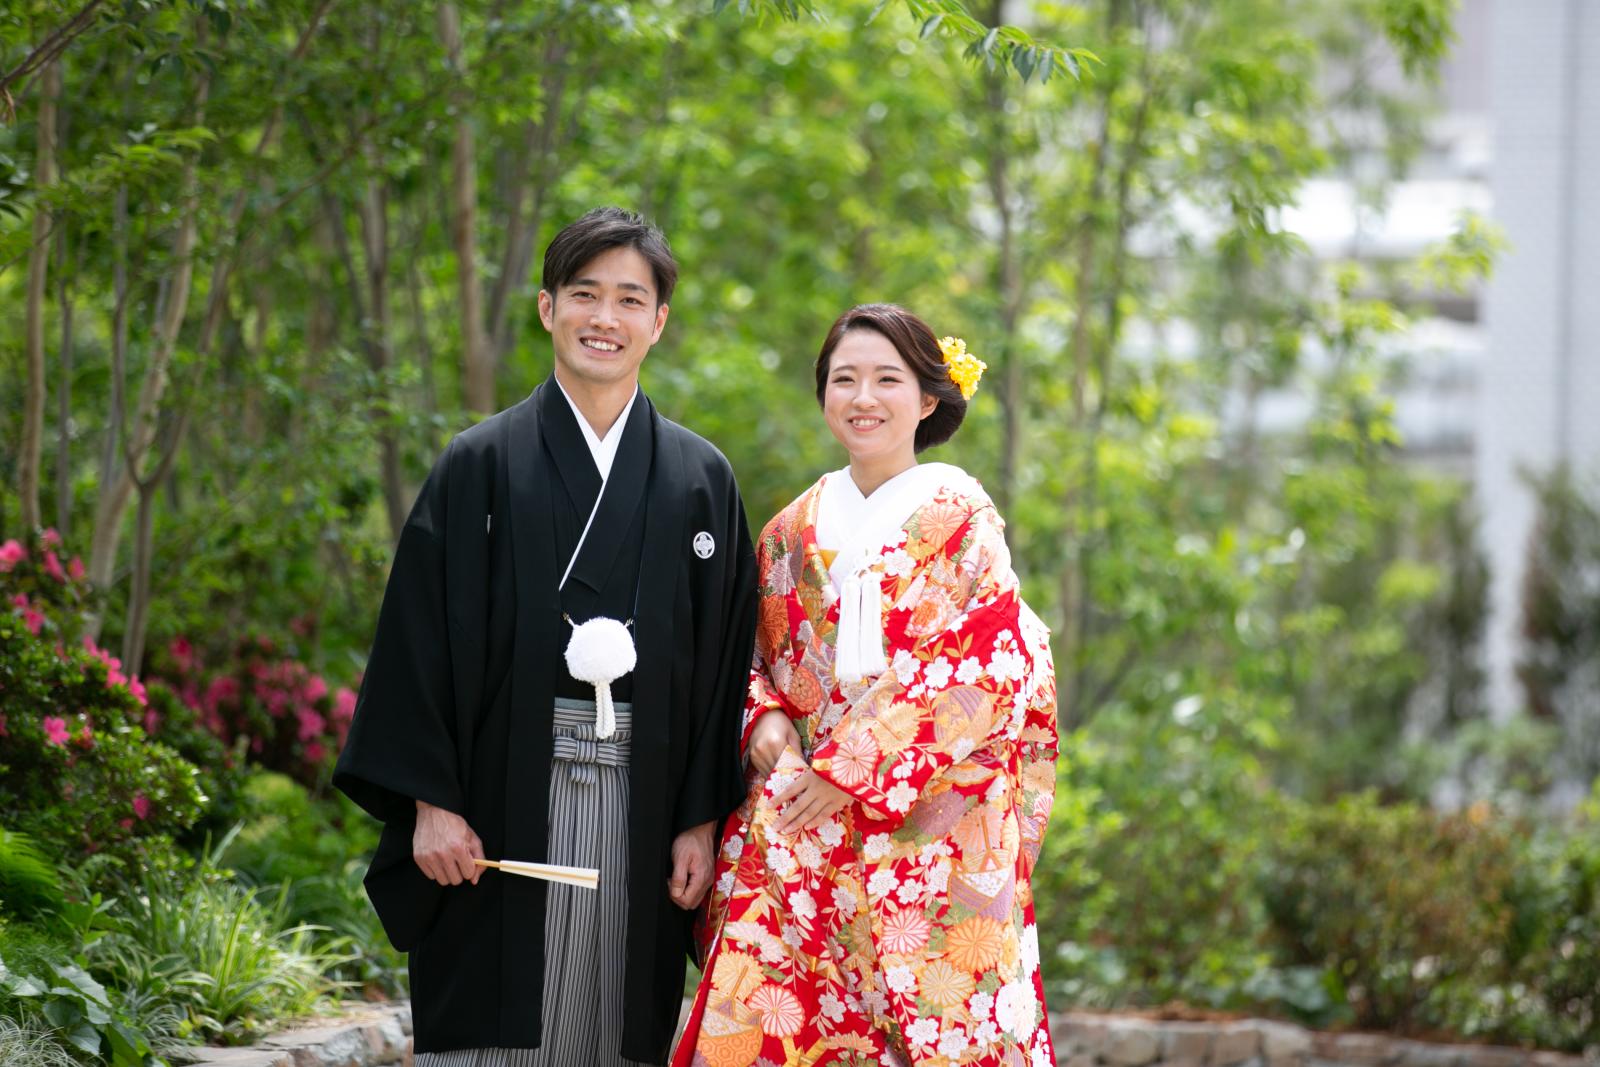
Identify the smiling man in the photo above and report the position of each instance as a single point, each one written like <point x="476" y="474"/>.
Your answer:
<point x="473" y="737"/>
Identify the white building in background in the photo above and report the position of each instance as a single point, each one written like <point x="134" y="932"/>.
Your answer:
<point x="1507" y="379"/>
<point x="1539" y="384"/>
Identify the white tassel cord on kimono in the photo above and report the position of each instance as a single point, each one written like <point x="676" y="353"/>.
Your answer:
<point x="599" y="652"/>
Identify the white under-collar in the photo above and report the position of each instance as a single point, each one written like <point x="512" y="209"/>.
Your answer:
<point x="603" y="449"/>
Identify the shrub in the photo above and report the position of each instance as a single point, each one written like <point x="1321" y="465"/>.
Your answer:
<point x="1401" y="907"/>
<point x="275" y="710"/>
<point x="76" y="768"/>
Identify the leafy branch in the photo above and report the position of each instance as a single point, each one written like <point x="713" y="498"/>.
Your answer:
<point x="997" y="47"/>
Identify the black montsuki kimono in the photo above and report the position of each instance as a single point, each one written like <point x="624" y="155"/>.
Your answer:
<point x="456" y="705"/>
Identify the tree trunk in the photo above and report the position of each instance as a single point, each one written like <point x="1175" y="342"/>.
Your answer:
<point x="477" y="360"/>
<point x="64" y="393"/>
<point x="375" y="245"/>
<point x="1007" y="280"/>
<point x="31" y="452"/>
<point x="522" y="228"/>
<point x="113" y="500"/>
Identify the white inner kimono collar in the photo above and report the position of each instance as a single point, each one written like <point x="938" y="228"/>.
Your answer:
<point x="859" y="527"/>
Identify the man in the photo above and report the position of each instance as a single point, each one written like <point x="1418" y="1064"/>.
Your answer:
<point x="471" y="739"/>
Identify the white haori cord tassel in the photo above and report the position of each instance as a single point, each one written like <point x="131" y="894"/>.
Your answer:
<point x="859" y="645"/>
<point x="599" y="652"/>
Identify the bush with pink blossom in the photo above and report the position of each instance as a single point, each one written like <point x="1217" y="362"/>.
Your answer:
<point x="261" y="702"/>
<point x="78" y="769"/>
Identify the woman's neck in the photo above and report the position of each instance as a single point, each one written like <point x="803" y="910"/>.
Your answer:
<point x="872" y="472"/>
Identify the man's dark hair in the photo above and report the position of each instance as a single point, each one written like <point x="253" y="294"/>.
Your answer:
<point x="915" y="342"/>
<point x="599" y="231"/>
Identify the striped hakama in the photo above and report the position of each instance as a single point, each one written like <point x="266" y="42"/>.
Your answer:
<point x="584" y="929"/>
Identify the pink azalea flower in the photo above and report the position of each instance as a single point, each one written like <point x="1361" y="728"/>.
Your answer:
<point x="344" y="704"/>
<point x="33" y="621"/>
<point x="316" y="688"/>
<point x="315" y="752"/>
<point x="126" y="824"/>
<point x="182" y="653"/>
<point x="55" y="730"/>
<point x="137" y="688"/>
<point x="141" y="805"/>
<point x="85" y="738"/>
<point x="50" y="538"/>
<point x="311" y="723"/>
<point x="11" y="554"/>
<point x="52" y="567"/>
<point x="75" y="569"/>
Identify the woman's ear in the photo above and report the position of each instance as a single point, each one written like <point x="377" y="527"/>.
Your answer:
<point x="929" y="404"/>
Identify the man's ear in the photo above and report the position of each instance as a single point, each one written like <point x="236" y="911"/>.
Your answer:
<point x="661" y="322"/>
<point x="547" y="309"/>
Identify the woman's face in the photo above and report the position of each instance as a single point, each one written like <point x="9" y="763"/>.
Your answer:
<point x="872" y="401"/>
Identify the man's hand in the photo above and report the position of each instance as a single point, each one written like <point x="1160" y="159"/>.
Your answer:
<point x="812" y="800"/>
<point x="773" y="733"/>
<point x="692" y="864"/>
<point x="444" y="846"/>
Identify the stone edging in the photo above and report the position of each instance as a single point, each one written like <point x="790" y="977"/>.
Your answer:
<point x="1083" y="1039"/>
<point x="368" y="1035"/>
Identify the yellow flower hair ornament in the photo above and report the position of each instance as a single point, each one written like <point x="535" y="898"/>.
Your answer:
<point x="965" y="369"/>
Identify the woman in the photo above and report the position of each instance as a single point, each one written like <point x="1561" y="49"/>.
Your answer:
<point x="873" y="902"/>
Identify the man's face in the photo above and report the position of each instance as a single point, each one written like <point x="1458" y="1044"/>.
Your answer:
<point x="605" y="319"/>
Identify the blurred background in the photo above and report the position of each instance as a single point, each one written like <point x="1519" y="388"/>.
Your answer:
<point x="1291" y="317"/>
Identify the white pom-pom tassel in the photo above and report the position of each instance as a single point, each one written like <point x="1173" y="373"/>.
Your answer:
<point x="599" y="652"/>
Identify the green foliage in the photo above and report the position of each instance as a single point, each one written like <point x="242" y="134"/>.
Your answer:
<point x="29" y="885"/>
<point x="1560" y="665"/>
<point x="1396" y="904"/>
<point x="225" y="960"/>
<point x="317" y="851"/>
<point x="21" y="1046"/>
<point x="62" y="1000"/>
<point x="76" y="769"/>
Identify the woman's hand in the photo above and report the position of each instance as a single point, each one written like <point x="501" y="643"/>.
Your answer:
<point x="772" y="734"/>
<point x="812" y="800"/>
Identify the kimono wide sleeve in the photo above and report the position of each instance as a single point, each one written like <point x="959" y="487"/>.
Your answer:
<point x="947" y="694"/>
<point x="404" y="743"/>
<point x="713" y="784"/>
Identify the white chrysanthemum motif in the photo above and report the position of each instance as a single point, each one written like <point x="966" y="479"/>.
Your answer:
<point x="900" y="797"/>
<point x="1014" y="1008"/>
<point x="1030" y="950"/>
<point x="898" y="564"/>
<point x="980" y="1005"/>
<point x="845" y="900"/>
<point x="1007" y="666"/>
<point x="953" y="1043"/>
<point x="779" y="861"/>
<point x="803" y="904"/>
<point x="901" y="979"/>
<point x="923" y="1032"/>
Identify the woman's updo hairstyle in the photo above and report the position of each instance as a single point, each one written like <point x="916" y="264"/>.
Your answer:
<point x="915" y="342"/>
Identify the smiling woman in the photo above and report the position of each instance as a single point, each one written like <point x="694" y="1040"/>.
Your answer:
<point x="873" y="900"/>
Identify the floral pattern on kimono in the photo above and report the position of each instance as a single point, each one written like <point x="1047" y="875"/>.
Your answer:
<point x="902" y="929"/>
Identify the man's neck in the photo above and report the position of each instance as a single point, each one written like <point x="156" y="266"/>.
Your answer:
<point x="600" y="404"/>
